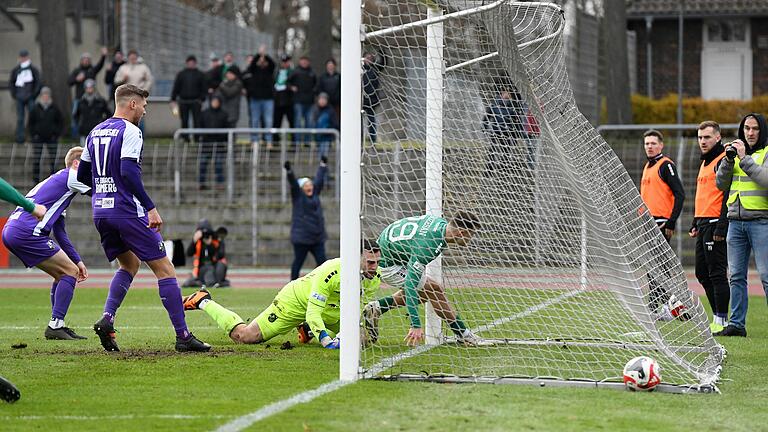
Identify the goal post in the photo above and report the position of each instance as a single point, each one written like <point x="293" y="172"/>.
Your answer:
<point x="568" y="277"/>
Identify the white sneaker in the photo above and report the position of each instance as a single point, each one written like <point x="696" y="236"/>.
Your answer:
<point x="677" y="309"/>
<point x="371" y="314"/>
<point x="472" y="340"/>
<point x="664" y="314"/>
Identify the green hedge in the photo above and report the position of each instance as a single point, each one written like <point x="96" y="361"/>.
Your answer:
<point x="695" y="110"/>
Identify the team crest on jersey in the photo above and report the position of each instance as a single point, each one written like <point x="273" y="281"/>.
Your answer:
<point x="51" y="245"/>
<point x="272" y="317"/>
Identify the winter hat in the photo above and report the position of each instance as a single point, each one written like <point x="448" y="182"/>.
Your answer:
<point x="302" y="181"/>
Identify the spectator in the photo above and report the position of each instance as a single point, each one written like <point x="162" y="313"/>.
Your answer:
<point x="743" y="173"/>
<point x="229" y="64"/>
<point x="189" y="92"/>
<point x="231" y="91"/>
<point x="307" y="220"/>
<point x="503" y="122"/>
<point x="371" y="85"/>
<point x="209" y="265"/>
<point x="213" y="75"/>
<point x="710" y="226"/>
<point x="91" y="110"/>
<point x="302" y="82"/>
<point x="46" y="124"/>
<point x="212" y="145"/>
<point x="259" y="86"/>
<point x="330" y="84"/>
<point x="323" y="117"/>
<point x="283" y="95"/>
<point x="109" y="76"/>
<point x="134" y="72"/>
<point x="85" y="70"/>
<point x="24" y="86"/>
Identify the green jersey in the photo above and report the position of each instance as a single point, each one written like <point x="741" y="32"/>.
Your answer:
<point x="412" y="243"/>
<point x="11" y="195"/>
<point x="315" y="298"/>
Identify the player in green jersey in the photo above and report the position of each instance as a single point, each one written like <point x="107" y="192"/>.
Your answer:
<point x="407" y="246"/>
<point x="310" y="301"/>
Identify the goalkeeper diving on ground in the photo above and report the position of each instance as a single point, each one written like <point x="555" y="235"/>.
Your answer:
<point x="310" y="302"/>
<point x="407" y="246"/>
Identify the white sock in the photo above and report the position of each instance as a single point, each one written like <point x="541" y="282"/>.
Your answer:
<point x="56" y="323"/>
<point x="203" y="303"/>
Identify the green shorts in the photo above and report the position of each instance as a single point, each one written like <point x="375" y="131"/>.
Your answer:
<point x="273" y="322"/>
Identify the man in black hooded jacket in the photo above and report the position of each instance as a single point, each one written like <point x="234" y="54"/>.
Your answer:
<point x="744" y="174"/>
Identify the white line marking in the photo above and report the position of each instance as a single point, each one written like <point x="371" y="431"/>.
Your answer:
<point x="247" y="420"/>
<point x="118" y="417"/>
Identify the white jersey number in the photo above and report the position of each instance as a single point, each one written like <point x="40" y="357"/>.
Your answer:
<point x="101" y="161"/>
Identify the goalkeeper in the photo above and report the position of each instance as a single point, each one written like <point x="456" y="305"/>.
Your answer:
<point x="407" y="246"/>
<point x="310" y="302"/>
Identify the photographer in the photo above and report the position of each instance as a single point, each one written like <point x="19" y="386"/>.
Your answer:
<point x="744" y="174"/>
<point x="209" y="266"/>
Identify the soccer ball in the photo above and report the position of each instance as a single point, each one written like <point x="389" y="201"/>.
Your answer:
<point x="642" y="373"/>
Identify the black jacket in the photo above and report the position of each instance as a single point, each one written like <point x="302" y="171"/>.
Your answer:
<point x="190" y="85"/>
<point x="670" y="176"/>
<point x="307" y="220"/>
<point x="90" y="112"/>
<point x="371" y="83"/>
<point x="30" y="89"/>
<point x="260" y="79"/>
<point x="762" y="137"/>
<point x="45" y="125"/>
<point x="304" y="80"/>
<point x="331" y="85"/>
<point x="90" y="73"/>
<point x="213" y="78"/>
<point x="214" y="119"/>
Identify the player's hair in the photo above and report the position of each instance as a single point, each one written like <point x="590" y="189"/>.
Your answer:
<point x="710" y="123"/>
<point x="654" y="133"/>
<point x="125" y="92"/>
<point x="72" y="155"/>
<point x="369" y="245"/>
<point x="466" y="220"/>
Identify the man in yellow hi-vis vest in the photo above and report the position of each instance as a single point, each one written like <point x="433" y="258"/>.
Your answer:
<point x="744" y="174"/>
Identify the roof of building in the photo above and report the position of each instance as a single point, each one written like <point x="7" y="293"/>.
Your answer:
<point x="696" y="8"/>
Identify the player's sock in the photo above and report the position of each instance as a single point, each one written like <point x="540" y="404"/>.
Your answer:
<point x="225" y="318"/>
<point x="170" y="294"/>
<point x="53" y="293"/>
<point x="457" y="326"/>
<point x="118" y="288"/>
<point x="56" y="323"/>
<point x="387" y="303"/>
<point x="65" y="289"/>
<point x="721" y="319"/>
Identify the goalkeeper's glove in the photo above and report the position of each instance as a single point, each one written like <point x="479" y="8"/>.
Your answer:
<point x="328" y="342"/>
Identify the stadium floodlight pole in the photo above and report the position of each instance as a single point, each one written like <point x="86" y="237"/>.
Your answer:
<point x="434" y="158"/>
<point x="351" y="187"/>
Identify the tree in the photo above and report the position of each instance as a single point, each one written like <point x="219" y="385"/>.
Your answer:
<point x="320" y="27"/>
<point x="52" y="34"/>
<point x="614" y="62"/>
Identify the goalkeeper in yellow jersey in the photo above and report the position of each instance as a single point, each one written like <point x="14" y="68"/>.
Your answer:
<point x="310" y="302"/>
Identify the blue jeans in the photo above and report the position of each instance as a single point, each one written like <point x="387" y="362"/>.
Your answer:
<point x="743" y="238"/>
<point x="20" y="123"/>
<point x="262" y="111"/>
<point x="300" y="254"/>
<point x="302" y="118"/>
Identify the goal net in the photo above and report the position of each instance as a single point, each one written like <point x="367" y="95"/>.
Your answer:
<point x="467" y="106"/>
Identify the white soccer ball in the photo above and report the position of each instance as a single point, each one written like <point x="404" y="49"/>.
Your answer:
<point x="642" y="373"/>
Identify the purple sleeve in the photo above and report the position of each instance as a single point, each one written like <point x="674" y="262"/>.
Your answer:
<point x="84" y="173"/>
<point x="131" y="174"/>
<point x="60" y="234"/>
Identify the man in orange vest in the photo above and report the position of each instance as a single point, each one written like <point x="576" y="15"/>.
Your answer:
<point x="710" y="226"/>
<point x="209" y="262"/>
<point x="661" y="188"/>
<point x="663" y="194"/>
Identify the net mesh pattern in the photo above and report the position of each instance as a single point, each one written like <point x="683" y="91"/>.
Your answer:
<point x="568" y="273"/>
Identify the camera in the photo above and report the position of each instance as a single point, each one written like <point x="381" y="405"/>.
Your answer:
<point x="730" y="152"/>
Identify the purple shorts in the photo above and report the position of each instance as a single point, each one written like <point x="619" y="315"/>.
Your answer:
<point x="122" y="235"/>
<point x="30" y="249"/>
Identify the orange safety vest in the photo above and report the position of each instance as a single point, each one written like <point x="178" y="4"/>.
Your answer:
<point x="709" y="199"/>
<point x="655" y="192"/>
<point x="198" y="251"/>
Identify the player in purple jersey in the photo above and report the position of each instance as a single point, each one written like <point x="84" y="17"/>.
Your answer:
<point x="126" y="218"/>
<point x="28" y="238"/>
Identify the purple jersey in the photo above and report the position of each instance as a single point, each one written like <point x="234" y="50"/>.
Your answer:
<point x="55" y="193"/>
<point x="108" y="143"/>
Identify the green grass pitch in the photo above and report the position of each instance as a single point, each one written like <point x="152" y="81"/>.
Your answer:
<point x="75" y="386"/>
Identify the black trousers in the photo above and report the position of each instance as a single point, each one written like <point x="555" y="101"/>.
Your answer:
<point x="712" y="268"/>
<point x="187" y="108"/>
<point x="300" y="254"/>
<point x="279" y="113"/>
<point x="37" y="158"/>
<point x="658" y="292"/>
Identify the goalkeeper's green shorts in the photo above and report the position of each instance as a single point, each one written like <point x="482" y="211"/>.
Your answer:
<point x="272" y="322"/>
